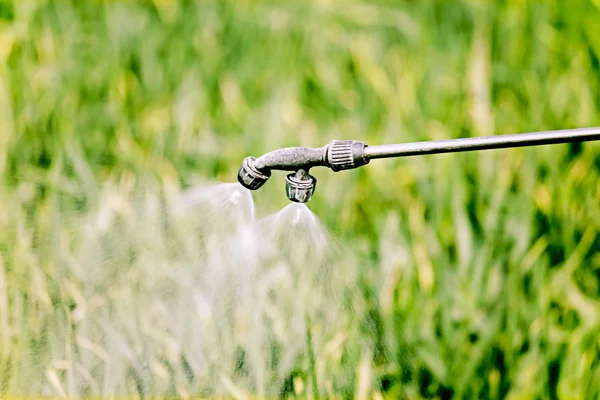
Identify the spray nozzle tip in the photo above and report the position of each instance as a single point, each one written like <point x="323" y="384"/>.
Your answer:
<point x="250" y="177"/>
<point x="300" y="186"/>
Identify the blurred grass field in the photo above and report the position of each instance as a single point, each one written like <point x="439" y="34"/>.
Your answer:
<point x="480" y="272"/>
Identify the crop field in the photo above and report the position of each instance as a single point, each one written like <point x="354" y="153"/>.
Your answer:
<point x="471" y="275"/>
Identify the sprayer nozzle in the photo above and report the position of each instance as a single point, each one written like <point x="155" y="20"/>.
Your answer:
<point x="250" y="177"/>
<point x="300" y="186"/>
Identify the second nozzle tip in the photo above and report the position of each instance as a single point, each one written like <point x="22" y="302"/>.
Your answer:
<point x="300" y="186"/>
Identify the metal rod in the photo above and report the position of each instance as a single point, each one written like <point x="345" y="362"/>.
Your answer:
<point x="483" y="143"/>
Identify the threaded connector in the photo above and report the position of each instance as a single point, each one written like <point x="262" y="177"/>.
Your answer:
<point x="346" y="154"/>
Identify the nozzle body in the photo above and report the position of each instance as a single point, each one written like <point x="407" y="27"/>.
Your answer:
<point x="300" y="185"/>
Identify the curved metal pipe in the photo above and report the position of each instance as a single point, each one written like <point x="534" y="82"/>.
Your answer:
<point x="292" y="159"/>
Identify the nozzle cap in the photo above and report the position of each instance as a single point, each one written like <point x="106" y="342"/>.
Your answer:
<point x="250" y="177"/>
<point x="300" y="186"/>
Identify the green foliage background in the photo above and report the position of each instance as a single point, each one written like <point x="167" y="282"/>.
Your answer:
<point x="491" y="260"/>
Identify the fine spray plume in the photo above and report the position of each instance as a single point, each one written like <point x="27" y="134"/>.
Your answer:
<point x="341" y="155"/>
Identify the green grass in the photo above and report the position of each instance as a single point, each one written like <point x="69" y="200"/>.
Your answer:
<point x="478" y="274"/>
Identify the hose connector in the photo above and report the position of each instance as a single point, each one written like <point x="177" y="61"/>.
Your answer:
<point x="346" y="154"/>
